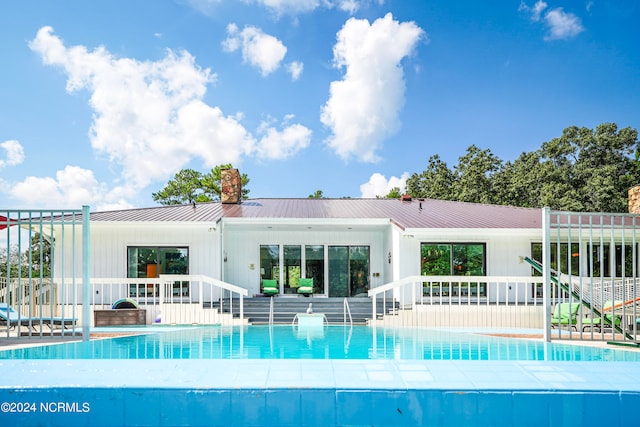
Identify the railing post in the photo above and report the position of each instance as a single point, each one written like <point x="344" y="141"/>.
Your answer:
<point x="86" y="275"/>
<point x="546" y="272"/>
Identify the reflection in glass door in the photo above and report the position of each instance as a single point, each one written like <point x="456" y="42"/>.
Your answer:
<point x="292" y="268"/>
<point x="348" y="270"/>
<point x="314" y="266"/>
<point x="269" y="263"/>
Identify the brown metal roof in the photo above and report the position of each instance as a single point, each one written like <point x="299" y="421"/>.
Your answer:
<point x="416" y="213"/>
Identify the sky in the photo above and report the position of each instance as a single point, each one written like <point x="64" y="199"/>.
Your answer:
<point x="102" y="102"/>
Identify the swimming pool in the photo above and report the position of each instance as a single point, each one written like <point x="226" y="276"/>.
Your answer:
<point x="326" y="342"/>
<point x="182" y="377"/>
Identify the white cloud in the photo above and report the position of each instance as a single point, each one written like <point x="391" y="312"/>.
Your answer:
<point x="561" y="25"/>
<point x="260" y="50"/>
<point x="14" y="153"/>
<point x="379" y="186"/>
<point x="279" y="145"/>
<point x="363" y="107"/>
<point x="149" y="117"/>
<point x="294" y="7"/>
<point x="295" y="69"/>
<point x="71" y="188"/>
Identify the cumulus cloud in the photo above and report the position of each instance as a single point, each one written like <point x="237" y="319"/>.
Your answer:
<point x="260" y="50"/>
<point x="281" y="144"/>
<point x="72" y="187"/>
<point x="363" y="107"/>
<point x="13" y="153"/>
<point x="147" y="113"/>
<point x="295" y="69"/>
<point x="560" y="25"/>
<point x="379" y="186"/>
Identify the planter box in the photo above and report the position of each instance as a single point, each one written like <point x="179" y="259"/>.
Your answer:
<point x="123" y="316"/>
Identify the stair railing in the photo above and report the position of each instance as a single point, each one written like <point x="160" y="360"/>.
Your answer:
<point x="271" y="312"/>
<point x="347" y="311"/>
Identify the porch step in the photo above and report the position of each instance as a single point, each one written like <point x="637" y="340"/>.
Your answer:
<point x="256" y="310"/>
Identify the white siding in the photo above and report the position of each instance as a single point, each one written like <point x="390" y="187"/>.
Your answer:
<point x="242" y="250"/>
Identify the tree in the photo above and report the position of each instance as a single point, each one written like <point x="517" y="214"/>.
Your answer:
<point x="191" y="186"/>
<point x="34" y="261"/>
<point x="474" y="176"/>
<point x="433" y="183"/>
<point x="587" y="170"/>
<point x="394" y="193"/>
<point x="317" y="195"/>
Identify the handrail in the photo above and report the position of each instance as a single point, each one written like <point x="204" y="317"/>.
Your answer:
<point x="271" y="312"/>
<point x="347" y="310"/>
<point x="415" y="284"/>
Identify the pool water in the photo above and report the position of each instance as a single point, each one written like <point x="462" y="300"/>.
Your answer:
<point x="326" y="342"/>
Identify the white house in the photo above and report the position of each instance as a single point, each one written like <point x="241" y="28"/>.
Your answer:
<point x="348" y="246"/>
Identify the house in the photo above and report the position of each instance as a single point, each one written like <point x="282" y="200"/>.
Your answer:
<point x="347" y="246"/>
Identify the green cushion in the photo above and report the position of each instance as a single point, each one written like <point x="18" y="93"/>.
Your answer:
<point x="305" y="285"/>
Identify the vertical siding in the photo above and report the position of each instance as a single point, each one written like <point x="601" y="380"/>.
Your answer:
<point x="242" y="249"/>
<point x="109" y="244"/>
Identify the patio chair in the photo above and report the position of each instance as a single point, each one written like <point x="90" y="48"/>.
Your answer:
<point x="9" y="315"/>
<point x="599" y="323"/>
<point x="305" y="286"/>
<point x="565" y="314"/>
<point x="270" y="287"/>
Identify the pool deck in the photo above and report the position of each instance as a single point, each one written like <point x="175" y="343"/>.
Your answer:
<point x="321" y="392"/>
<point x="318" y="392"/>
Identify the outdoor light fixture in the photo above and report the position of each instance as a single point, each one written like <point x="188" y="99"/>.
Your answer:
<point x="389" y="258"/>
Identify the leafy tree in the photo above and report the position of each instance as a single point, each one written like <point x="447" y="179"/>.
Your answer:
<point x="317" y="195"/>
<point x="394" y="193"/>
<point x="38" y="255"/>
<point x="474" y="176"/>
<point x="189" y="186"/>
<point x="582" y="170"/>
<point x="433" y="183"/>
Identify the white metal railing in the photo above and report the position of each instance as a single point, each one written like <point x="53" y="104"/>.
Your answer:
<point x="167" y="299"/>
<point x="347" y="312"/>
<point x="470" y="301"/>
<point x="271" y="312"/>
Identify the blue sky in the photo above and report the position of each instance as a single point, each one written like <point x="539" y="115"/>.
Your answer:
<point x="102" y="102"/>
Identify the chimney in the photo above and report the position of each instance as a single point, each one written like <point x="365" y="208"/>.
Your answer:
<point x="231" y="188"/>
<point x="634" y="200"/>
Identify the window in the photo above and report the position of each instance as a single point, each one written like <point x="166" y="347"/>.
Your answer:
<point x="453" y="259"/>
<point x="269" y="263"/>
<point x="292" y="268"/>
<point x="348" y="271"/>
<point x="601" y="260"/>
<point x="314" y="266"/>
<point x="569" y="260"/>
<point x="151" y="261"/>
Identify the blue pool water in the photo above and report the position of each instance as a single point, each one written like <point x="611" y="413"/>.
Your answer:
<point x="328" y="342"/>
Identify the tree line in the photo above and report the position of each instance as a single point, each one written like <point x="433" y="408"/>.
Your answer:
<point x="584" y="170"/>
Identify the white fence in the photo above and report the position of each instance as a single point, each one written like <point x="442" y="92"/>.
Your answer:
<point x="461" y="301"/>
<point x="168" y="299"/>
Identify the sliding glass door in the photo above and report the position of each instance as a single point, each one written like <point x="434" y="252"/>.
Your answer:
<point x="348" y="270"/>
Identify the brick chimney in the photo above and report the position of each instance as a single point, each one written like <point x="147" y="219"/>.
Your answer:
<point x="634" y="200"/>
<point x="231" y="186"/>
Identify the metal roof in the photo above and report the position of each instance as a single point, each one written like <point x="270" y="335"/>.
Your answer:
<point x="412" y="214"/>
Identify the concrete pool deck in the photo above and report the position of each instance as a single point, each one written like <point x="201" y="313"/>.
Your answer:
<point x="318" y="392"/>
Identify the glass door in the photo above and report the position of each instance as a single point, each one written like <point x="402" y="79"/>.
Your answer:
<point x="348" y="270"/>
<point x="292" y="268"/>
<point x="314" y="266"/>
